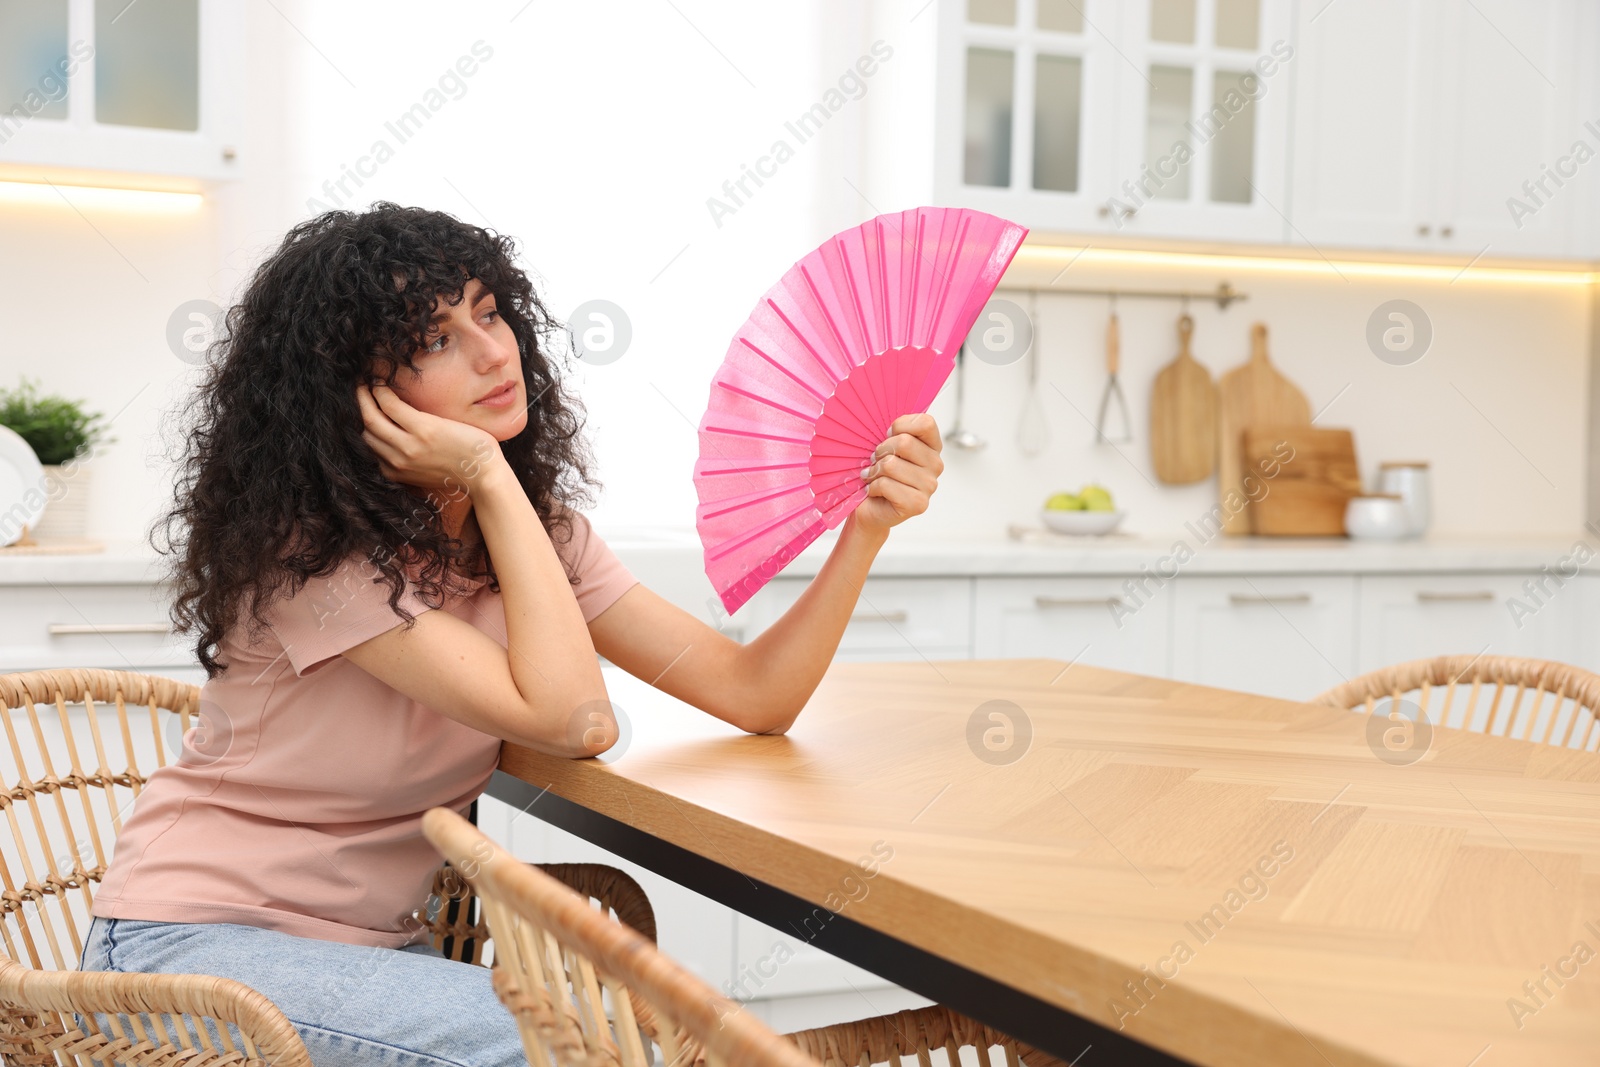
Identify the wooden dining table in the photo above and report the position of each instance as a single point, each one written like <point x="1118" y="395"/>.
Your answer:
<point x="1152" y="871"/>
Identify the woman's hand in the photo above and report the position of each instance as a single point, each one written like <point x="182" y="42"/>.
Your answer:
<point x="416" y="448"/>
<point x="904" y="473"/>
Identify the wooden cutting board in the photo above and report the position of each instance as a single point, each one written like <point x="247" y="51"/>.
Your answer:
<point x="1252" y="394"/>
<point x="1183" y="417"/>
<point x="1301" y="479"/>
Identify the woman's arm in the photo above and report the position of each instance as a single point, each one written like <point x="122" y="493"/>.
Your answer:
<point x="544" y="690"/>
<point x="761" y="686"/>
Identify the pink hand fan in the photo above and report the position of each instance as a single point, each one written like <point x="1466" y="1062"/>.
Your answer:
<point x="862" y="330"/>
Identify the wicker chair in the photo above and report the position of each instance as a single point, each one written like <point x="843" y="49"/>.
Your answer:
<point x="61" y="818"/>
<point x="1482" y="684"/>
<point x="586" y="990"/>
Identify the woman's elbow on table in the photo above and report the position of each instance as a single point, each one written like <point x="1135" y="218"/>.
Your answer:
<point x="590" y="730"/>
<point x="771" y="718"/>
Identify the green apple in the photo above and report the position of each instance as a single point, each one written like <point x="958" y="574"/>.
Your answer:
<point x="1096" y="498"/>
<point x="1064" y="502"/>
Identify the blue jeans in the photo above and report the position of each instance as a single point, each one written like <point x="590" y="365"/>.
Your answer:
<point x="354" y="1005"/>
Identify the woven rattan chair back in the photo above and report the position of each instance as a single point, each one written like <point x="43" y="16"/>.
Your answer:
<point x="1528" y="699"/>
<point x="458" y="928"/>
<point x="587" y="990"/>
<point x="79" y="745"/>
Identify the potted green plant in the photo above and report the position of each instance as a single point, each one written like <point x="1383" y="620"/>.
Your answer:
<point x="63" y="435"/>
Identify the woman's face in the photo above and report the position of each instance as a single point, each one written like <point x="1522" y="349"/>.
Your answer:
<point x="464" y="366"/>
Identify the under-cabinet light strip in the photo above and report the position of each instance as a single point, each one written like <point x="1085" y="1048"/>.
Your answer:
<point x="1296" y="265"/>
<point x="97" y="197"/>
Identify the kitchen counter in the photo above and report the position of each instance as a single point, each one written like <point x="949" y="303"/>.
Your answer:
<point x="122" y="563"/>
<point x="1345" y="606"/>
<point x="1129" y="554"/>
<point x="664" y="550"/>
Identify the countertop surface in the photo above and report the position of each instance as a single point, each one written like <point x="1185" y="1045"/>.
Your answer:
<point x="1183" y="552"/>
<point x="661" y="550"/>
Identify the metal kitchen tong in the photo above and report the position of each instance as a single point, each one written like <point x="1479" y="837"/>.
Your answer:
<point x="1113" y="358"/>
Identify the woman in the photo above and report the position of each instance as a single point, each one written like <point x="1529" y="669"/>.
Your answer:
<point x="380" y="556"/>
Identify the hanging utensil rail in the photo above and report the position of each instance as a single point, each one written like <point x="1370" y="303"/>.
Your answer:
<point x="1223" y="295"/>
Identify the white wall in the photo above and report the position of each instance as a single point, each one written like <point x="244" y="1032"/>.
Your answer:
<point x="596" y="133"/>
<point x="1497" y="405"/>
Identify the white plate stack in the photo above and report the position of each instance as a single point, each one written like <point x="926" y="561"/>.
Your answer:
<point x="23" y="489"/>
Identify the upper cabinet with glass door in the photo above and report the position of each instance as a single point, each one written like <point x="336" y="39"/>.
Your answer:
<point x="141" y="86"/>
<point x="1145" y="117"/>
<point x="1024" y="124"/>
<point x="1205" y="108"/>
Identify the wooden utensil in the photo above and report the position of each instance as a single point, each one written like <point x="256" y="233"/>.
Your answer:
<point x="1300" y="478"/>
<point x="1252" y="394"/>
<point x="1183" y="417"/>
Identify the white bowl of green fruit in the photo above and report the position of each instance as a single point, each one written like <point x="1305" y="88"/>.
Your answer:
<point x="1088" y="511"/>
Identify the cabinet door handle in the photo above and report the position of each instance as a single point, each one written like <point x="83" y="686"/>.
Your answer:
<point x="1430" y="597"/>
<point x="1423" y="230"/>
<point x="59" y="628"/>
<point x="1076" y="601"/>
<point x="880" y="616"/>
<point x="1238" y="599"/>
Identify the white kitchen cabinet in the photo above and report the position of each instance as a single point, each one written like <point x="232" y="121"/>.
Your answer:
<point x="693" y="929"/>
<point x="1416" y="122"/>
<point x="1026" y="121"/>
<point x="115" y="626"/>
<point x="771" y="963"/>
<point x="1059" y="114"/>
<point x="1097" y="620"/>
<point x="1411" y="616"/>
<point x="1438" y="126"/>
<point x="1203" y="108"/>
<point x="1366" y="107"/>
<point x="894" y="618"/>
<point x="71" y="65"/>
<point x="1508" y="72"/>
<point x="1288" y="636"/>
<point x="1585" y="188"/>
<point x="1587" y="595"/>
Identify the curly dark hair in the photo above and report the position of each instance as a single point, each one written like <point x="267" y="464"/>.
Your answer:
<point x="275" y="485"/>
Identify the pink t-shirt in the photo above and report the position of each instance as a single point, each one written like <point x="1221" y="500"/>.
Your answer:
<point x="300" y="807"/>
